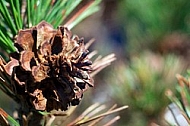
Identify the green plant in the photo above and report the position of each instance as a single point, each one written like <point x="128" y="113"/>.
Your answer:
<point x="178" y="112"/>
<point x="20" y="14"/>
<point x="142" y="83"/>
<point x="48" y="68"/>
<point x="147" y="23"/>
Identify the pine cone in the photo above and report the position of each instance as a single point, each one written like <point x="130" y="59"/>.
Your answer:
<point x="51" y="68"/>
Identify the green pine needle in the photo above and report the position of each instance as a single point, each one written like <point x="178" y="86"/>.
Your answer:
<point x="10" y="119"/>
<point x="89" y="11"/>
<point x="20" y="14"/>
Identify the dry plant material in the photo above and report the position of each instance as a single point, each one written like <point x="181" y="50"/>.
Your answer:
<point x="3" y="116"/>
<point x="51" y="68"/>
<point x="84" y="118"/>
<point x="182" y="83"/>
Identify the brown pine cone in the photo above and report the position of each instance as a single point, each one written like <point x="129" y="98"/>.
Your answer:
<point x="51" y="68"/>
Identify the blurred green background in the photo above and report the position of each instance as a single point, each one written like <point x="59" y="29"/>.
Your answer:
<point x="151" y="41"/>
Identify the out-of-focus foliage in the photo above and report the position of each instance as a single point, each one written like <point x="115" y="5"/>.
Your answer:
<point x="157" y="25"/>
<point x="162" y="27"/>
<point x="147" y="22"/>
<point x="142" y="84"/>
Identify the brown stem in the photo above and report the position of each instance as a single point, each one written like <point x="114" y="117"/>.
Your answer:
<point x="29" y="117"/>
